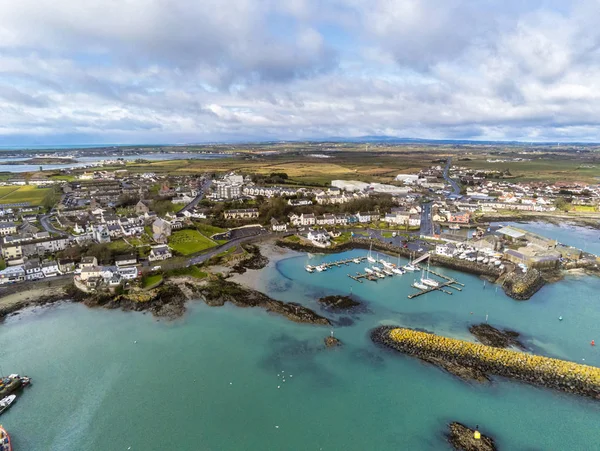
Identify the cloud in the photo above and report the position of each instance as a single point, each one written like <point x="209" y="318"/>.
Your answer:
<point x="146" y="70"/>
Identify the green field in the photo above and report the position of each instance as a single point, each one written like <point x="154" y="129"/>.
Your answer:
<point x="191" y="271"/>
<point x="188" y="242"/>
<point x="151" y="280"/>
<point x="209" y="230"/>
<point x="11" y="195"/>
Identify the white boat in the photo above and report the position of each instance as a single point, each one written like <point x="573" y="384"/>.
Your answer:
<point x="380" y="275"/>
<point x="376" y="268"/>
<point x="386" y="264"/>
<point x="368" y="270"/>
<point x="410" y="267"/>
<point x="320" y="268"/>
<point x="485" y="261"/>
<point x="480" y="258"/>
<point x="370" y="258"/>
<point x="497" y="262"/>
<point x="388" y="271"/>
<point x="420" y="286"/>
<point x="430" y="282"/>
<point x="397" y="271"/>
<point x="309" y="268"/>
<point x="6" y="402"/>
<point x="356" y="260"/>
<point x="501" y="267"/>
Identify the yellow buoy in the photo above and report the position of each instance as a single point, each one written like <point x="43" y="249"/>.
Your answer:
<point x="477" y="435"/>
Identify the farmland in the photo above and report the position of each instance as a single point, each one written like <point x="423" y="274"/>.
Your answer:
<point x="12" y="195"/>
<point x="187" y="242"/>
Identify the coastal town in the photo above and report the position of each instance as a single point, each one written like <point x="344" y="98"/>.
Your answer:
<point x="111" y="229"/>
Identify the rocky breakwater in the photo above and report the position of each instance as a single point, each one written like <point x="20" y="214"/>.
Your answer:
<point x="522" y="286"/>
<point x="463" y="438"/>
<point x="485" y="360"/>
<point x="219" y="291"/>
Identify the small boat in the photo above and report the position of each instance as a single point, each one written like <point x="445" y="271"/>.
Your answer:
<point x="485" y="261"/>
<point x="309" y="268"/>
<point x="430" y="282"/>
<point x="380" y="275"/>
<point x="376" y="268"/>
<point x="388" y="271"/>
<point x="480" y="258"/>
<point x="368" y="270"/>
<point x="397" y="271"/>
<point x="6" y="402"/>
<point x="320" y="268"/>
<point x="5" y="442"/>
<point x="356" y="260"/>
<point x="410" y="267"/>
<point x="497" y="262"/>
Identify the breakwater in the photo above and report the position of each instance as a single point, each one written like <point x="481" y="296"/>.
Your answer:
<point x="547" y="372"/>
<point x="522" y="286"/>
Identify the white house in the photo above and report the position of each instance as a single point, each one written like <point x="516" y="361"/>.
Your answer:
<point x="277" y="226"/>
<point x="161" y="252"/>
<point x="50" y="268"/>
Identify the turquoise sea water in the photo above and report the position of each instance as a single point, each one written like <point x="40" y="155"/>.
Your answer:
<point x="209" y="380"/>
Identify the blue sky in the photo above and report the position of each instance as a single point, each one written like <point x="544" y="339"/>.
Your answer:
<point x="158" y="71"/>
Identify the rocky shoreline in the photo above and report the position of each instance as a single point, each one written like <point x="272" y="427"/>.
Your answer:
<point x="462" y="438"/>
<point x="483" y="361"/>
<point x="219" y="291"/>
<point x="255" y="260"/>
<point x="490" y="336"/>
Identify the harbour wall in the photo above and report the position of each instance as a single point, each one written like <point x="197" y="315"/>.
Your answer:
<point x="538" y="370"/>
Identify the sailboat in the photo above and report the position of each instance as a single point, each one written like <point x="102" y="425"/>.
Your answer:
<point x="410" y="266"/>
<point x="420" y="286"/>
<point x="427" y="280"/>
<point x="370" y="257"/>
<point x="397" y="269"/>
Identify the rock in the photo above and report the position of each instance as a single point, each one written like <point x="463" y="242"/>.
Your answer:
<point x="521" y="286"/>
<point x="255" y="261"/>
<point x="461" y="438"/>
<point x="338" y="302"/>
<point x="218" y="292"/>
<point x="332" y="342"/>
<point x="489" y="335"/>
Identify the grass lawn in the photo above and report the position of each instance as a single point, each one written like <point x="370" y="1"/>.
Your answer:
<point x="386" y="234"/>
<point x="2" y="264"/>
<point x="209" y="230"/>
<point x="35" y="196"/>
<point x="151" y="280"/>
<point x="188" y="242"/>
<point x="119" y="246"/>
<point x="343" y="238"/>
<point x="587" y="208"/>
<point x="192" y="271"/>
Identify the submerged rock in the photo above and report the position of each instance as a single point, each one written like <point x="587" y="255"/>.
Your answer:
<point x="332" y="342"/>
<point x="462" y="438"/>
<point x="337" y="302"/>
<point x="490" y="336"/>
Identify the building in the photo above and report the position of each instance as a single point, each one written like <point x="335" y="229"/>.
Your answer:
<point x="141" y="208"/>
<point x="460" y="217"/>
<point x="88" y="262"/>
<point x="299" y="202"/>
<point x="101" y="234"/>
<point x="8" y="228"/>
<point x="244" y="213"/>
<point x="12" y="252"/>
<point x="128" y="273"/>
<point x="158" y="253"/>
<point x="50" y="268"/>
<point x="126" y="260"/>
<point x="66" y="266"/>
<point x="277" y="226"/>
<point x="33" y="269"/>
<point x="12" y="274"/>
<point x="161" y="230"/>
<point x="368" y="216"/>
<point x="407" y="179"/>
<point x="226" y="190"/>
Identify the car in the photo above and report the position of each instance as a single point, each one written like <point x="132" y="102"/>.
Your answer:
<point x="420" y="249"/>
<point x="156" y="268"/>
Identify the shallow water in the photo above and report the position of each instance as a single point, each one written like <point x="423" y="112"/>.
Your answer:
<point x="209" y="380"/>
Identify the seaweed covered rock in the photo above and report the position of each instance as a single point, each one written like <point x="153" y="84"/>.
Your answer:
<point x="337" y="302"/>
<point x="332" y="342"/>
<point x="218" y="292"/>
<point x="463" y="438"/>
<point x="490" y="336"/>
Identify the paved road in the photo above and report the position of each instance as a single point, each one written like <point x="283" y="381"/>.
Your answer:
<point x="426" y="221"/>
<point x="198" y="198"/>
<point x="453" y="184"/>
<point x="47" y="225"/>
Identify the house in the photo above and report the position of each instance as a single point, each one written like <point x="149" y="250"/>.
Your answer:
<point x="460" y="217"/>
<point x="244" y="213"/>
<point x="299" y="202"/>
<point x="12" y="252"/>
<point x="277" y="226"/>
<point x="88" y="262"/>
<point x="33" y="269"/>
<point x="161" y="252"/>
<point x="320" y="239"/>
<point x="141" y="207"/>
<point x="161" y="230"/>
<point x="90" y="272"/>
<point x="414" y="220"/>
<point x="307" y="219"/>
<point x="50" y="268"/>
<point x="12" y="274"/>
<point x="126" y="260"/>
<point x="101" y="234"/>
<point x="326" y="219"/>
<point x="368" y="216"/>
<point x="66" y="266"/>
<point x="446" y="250"/>
<point x="128" y="273"/>
<point x="8" y="228"/>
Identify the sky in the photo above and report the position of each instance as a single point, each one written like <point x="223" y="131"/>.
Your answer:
<point x="191" y="71"/>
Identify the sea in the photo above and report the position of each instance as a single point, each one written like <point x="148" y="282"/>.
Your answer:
<point x="86" y="161"/>
<point x="229" y="378"/>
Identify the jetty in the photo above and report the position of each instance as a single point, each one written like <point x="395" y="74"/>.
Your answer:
<point x="448" y="282"/>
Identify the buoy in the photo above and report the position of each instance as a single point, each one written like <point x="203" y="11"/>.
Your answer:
<point x="284" y="380"/>
<point x="135" y="342"/>
<point x="471" y="313"/>
<point x="593" y="343"/>
<point x="231" y="383"/>
<point x="560" y="318"/>
<point x="477" y="435"/>
<point x="276" y="427"/>
<point x="279" y="386"/>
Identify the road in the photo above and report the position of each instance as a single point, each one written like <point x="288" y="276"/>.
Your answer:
<point x="199" y="259"/>
<point x="426" y="221"/>
<point x="47" y="225"/>
<point x="453" y="184"/>
<point x="205" y="186"/>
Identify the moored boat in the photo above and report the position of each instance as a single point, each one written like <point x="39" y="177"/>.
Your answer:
<point x="420" y="286"/>
<point x="6" y="402"/>
<point x="397" y="271"/>
<point x="410" y="267"/>
<point x="368" y="270"/>
<point x="5" y="443"/>
<point x="309" y="268"/>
